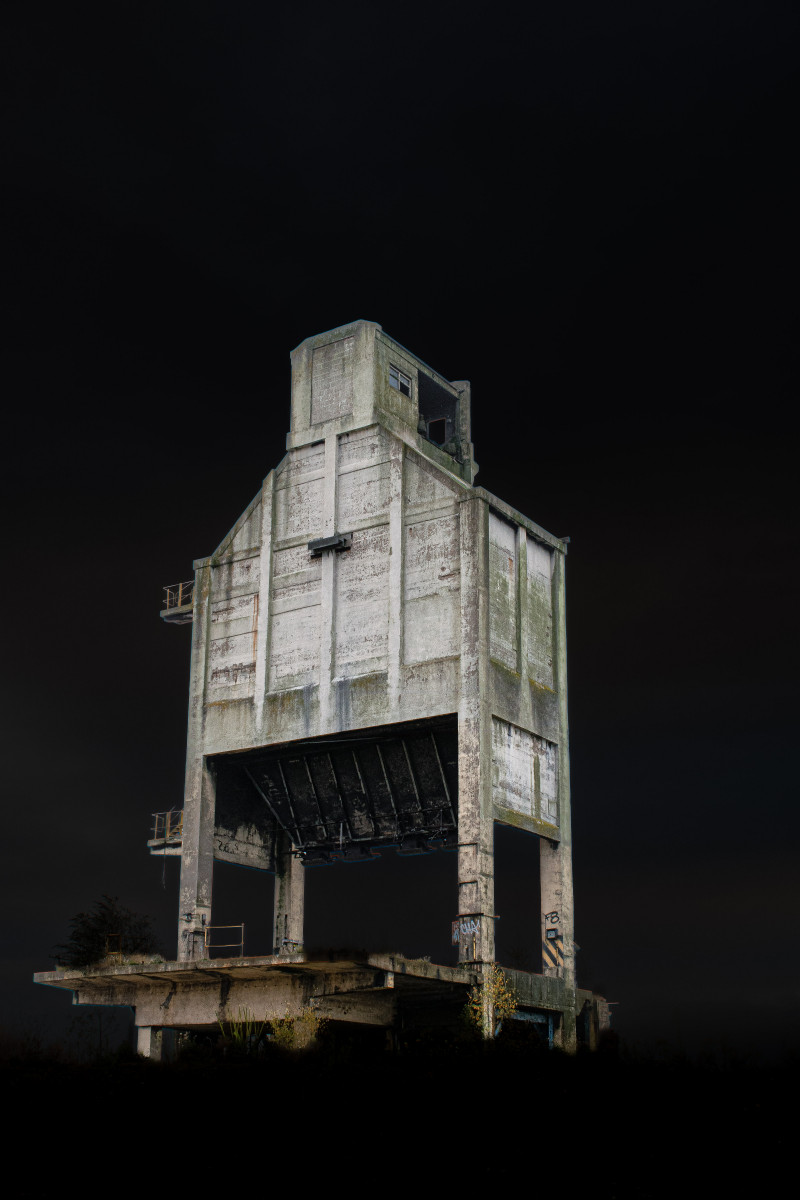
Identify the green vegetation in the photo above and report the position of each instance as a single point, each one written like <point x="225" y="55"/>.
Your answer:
<point x="246" y="1035"/>
<point x="492" y="1001"/>
<point x="300" y="1032"/>
<point x="107" y="927"/>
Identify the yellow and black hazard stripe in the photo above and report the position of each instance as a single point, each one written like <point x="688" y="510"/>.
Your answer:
<point x="553" y="949"/>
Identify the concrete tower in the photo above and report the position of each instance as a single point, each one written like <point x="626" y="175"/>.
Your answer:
<point x="378" y="660"/>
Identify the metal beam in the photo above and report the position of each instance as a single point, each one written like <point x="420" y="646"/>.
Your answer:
<point x="296" y="835"/>
<point x="444" y="779"/>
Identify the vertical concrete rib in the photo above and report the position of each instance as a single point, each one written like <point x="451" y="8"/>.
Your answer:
<point x="396" y="551"/>
<point x="327" y="655"/>
<point x="556" y="857"/>
<point x="475" y="824"/>
<point x="197" y="858"/>
<point x="523" y="629"/>
<point x="264" y="598"/>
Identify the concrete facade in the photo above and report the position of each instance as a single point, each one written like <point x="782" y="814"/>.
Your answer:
<point x="378" y="660"/>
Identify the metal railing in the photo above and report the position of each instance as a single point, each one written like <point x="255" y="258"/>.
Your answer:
<point x="224" y="945"/>
<point x="168" y="826"/>
<point x="114" y="946"/>
<point x="179" y="595"/>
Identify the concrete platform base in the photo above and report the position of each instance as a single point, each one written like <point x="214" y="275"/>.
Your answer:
<point x="373" y="989"/>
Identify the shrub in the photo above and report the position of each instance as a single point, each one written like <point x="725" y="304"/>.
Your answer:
<point x="300" y="1032"/>
<point x="495" y="996"/>
<point x="90" y="932"/>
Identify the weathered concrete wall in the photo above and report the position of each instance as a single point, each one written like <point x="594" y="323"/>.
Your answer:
<point x="335" y="644"/>
<point x="524" y="778"/>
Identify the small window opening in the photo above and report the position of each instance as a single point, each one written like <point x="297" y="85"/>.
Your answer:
<point x="437" y="430"/>
<point x="400" y="381"/>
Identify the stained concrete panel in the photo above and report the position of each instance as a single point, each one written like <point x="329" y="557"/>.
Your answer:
<point x="231" y="663"/>
<point x="503" y="592"/>
<point x="362" y="603"/>
<point x="295" y="647"/>
<point x="363" y="495"/>
<point x="303" y="462"/>
<point x="295" y="613"/>
<point x="235" y="578"/>
<point x="248" y="534"/>
<point x="425" y="487"/>
<point x="332" y="380"/>
<point x="524" y="772"/>
<point x="363" y="448"/>
<point x="539" y="614"/>
<point x="298" y="509"/>
<point x="432" y="579"/>
<point x="233" y="616"/>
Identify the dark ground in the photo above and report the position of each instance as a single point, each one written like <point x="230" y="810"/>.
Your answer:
<point x="610" y="1124"/>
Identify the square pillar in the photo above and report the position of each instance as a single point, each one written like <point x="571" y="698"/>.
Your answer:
<point x="475" y="816"/>
<point x="150" y="1042"/>
<point x="558" y="947"/>
<point x="197" y="863"/>
<point x="153" y="1041"/>
<point x="289" y="897"/>
<point x="199" y="801"/>
<point x="555" y="858"/>
<point x="555" y="873"/>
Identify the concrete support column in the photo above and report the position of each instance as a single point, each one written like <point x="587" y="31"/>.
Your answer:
<point x="558" y="947"/>
<point x="150" y="1042"/>
<point x="289" y="898"/>
<point x="558" y="917"/>
<point x="199" y="801"/>
<point x="197" y="864"/>
<point x="475" y="823"/>
<point x="555" y="874"/>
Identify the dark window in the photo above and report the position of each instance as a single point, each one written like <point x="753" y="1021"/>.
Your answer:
<point x="400" y="381"/>
<point x="438" y="410"/>
<point x="437" y="430"/>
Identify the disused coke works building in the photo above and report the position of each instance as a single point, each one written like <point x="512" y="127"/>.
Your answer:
<point x="378" y="660"/>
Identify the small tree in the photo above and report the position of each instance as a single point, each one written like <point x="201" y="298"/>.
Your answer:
<point x="90" y="932"/>
<point x="494" y="1000"/>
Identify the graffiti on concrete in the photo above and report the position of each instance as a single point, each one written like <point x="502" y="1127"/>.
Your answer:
<point x="465" y="928"/>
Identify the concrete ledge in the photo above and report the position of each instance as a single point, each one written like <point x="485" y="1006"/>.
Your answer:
<point x="376" y="989"/>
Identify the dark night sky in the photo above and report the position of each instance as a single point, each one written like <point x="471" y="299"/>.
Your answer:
<point x="590" y="213"/>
